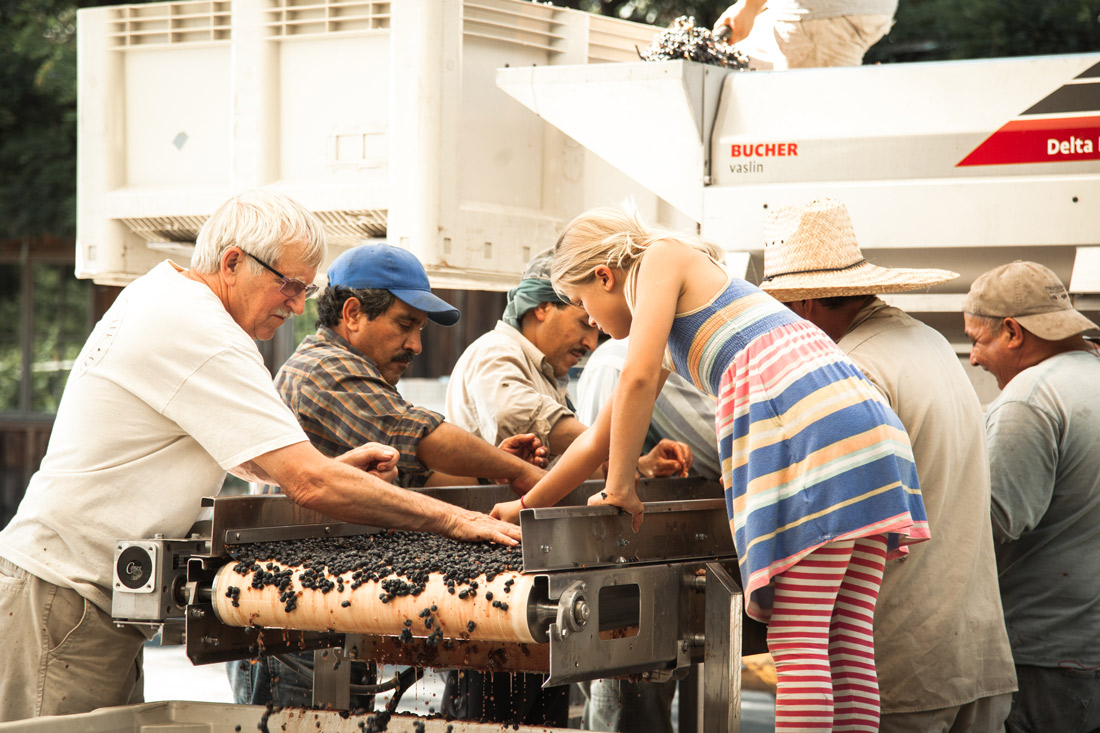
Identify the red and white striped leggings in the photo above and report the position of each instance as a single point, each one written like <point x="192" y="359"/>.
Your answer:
<point x="821" y="639"/>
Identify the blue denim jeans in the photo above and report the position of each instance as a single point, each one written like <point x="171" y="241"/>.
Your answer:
<point x="286" y="680"/>
<point x="622" y="705"/>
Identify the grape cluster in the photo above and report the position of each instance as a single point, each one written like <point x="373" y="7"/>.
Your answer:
<point x="685" y="40"/>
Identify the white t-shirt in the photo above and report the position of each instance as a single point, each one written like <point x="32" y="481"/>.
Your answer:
<point x="796" y="10"/>
<point x="167" y="394"/>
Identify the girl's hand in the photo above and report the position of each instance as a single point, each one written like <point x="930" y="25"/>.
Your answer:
<point x="626" y="500"/>
<point x="507" y="511"/>
<point x="739" y="18"/>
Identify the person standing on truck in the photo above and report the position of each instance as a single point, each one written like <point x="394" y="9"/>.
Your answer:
<point x="800" y="34"/>
<point x="1042" y="431"/>
<point x="942" y="654"/>
<point x="167" y="395"/>
<point x="341" y="385"/>
<point x="821" y="488"/>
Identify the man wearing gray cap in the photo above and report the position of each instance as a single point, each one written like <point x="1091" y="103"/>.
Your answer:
<point x="943" y="658"/>
<point x="1045" y="466"/>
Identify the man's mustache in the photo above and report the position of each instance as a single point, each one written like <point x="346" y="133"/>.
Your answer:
<point x="404" y="358"/>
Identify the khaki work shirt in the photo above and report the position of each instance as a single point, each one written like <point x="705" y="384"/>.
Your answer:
<point x="502" y="386"/>
<point x="940" y="638"/>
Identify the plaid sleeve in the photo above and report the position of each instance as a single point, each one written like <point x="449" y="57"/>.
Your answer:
<point x="342" y="405"/>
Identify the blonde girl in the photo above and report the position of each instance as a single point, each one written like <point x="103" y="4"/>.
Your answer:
<point x="818" y="471"/>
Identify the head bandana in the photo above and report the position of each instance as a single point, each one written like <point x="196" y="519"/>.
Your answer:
<point x="533" y="289"/>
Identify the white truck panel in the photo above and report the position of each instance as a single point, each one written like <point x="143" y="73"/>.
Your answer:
<point x="958" y="165"/>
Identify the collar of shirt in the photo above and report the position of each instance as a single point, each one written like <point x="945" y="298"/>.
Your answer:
<point x="873" y="307"/>
<point x="327" y="337"/>
<point x="533" y="353"/>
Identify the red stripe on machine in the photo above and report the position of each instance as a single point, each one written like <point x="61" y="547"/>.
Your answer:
<point x="1039" y="141"/>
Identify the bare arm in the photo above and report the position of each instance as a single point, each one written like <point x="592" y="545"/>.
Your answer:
<point x="576" y="465"/>
<point x="375" y="458"/>
<point x="445" y="479"/>
<point x="564" y="432"/>
<point x="660" y="282"/>
<point x="740" y="18"/>
<point x="349" y="494"/>
<point x="452" y="450"/>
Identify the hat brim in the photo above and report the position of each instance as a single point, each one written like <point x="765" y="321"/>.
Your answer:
<point x="438" y="310"/>
<point x="863" y="279"/>
<point x="1057" y="325"/>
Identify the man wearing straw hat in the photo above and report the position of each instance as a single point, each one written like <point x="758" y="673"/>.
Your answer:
<point x="1042" y="431"/>
<point x="942" y="653"/>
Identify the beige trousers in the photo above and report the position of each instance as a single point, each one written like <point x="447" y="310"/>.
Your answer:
<point x="62" y="654"/>
<point x="984" y="715"/>
<point x="841" y="41"/>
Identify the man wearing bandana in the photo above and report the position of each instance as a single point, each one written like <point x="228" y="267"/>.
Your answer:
<point x="513" y="379"/>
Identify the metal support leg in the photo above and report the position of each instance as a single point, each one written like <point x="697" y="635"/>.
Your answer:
<point x="722" y="653"/>
<point x="691" y="701"/>
<point x="331" y="679"/>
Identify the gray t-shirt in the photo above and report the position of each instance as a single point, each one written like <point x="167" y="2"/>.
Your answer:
<point x="795" y="10"/>
<point x="1044" y="450"/>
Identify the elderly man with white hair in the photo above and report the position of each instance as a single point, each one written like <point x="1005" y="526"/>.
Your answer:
<point x="168" y="394"/>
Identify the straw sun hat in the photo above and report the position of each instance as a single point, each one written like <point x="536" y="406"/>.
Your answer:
<point x="811" y="252"/>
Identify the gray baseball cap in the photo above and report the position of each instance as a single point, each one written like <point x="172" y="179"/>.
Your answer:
<point x="1030" y="293"/>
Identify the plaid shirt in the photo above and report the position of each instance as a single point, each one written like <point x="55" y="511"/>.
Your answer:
<point x="342" y="401"/>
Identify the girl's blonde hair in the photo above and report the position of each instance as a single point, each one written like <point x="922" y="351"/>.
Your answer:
<point x="610" y="237"/>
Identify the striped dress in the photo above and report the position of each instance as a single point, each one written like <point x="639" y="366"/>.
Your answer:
<point x="810" y="452"/>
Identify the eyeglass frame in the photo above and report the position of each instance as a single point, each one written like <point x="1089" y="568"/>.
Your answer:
<point x="308" y="288"/>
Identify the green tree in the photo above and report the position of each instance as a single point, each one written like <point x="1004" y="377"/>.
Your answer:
<point x="37" y="118"/>
<point x="953" y="29"/>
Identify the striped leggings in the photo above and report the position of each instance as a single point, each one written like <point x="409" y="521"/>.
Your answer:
<point x="820" y="637"/>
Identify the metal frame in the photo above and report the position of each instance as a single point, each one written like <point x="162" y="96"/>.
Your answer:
<point x="722" y="659"/>
<point x="608" y="602"/>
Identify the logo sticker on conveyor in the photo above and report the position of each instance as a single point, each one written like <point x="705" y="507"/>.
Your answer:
<point x="1062" y="127"/>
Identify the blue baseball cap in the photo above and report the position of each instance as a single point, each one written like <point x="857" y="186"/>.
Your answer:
<point x="385" y="267"/>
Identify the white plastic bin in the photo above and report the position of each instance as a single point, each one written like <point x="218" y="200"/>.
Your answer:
<point x="382" y="117"/>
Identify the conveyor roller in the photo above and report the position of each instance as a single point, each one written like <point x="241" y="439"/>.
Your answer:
<point x="370" y="609"/>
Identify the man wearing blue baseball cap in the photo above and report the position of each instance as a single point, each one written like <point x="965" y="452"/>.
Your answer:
<point x="340" y="384"/>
